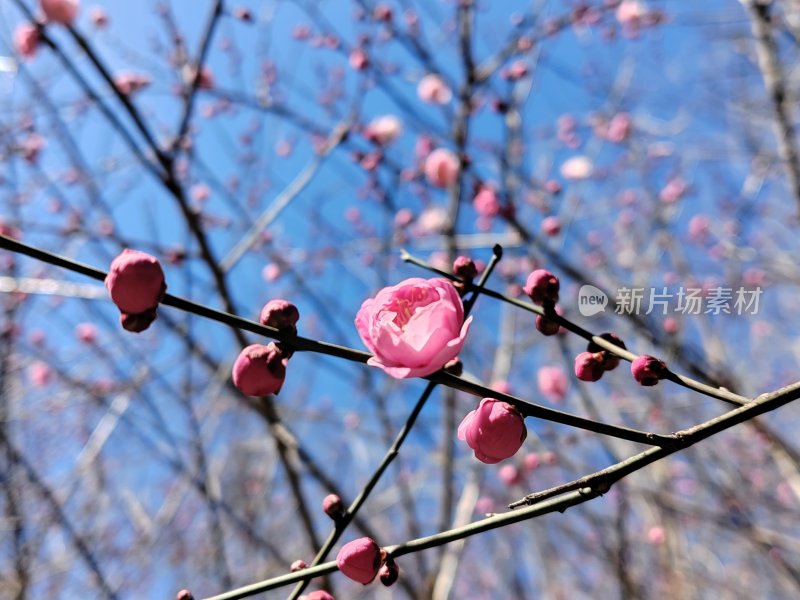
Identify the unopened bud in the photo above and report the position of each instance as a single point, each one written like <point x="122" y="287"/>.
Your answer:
<point x="333" y="507"/>
<point x="389" y="572"/>
<point x="298" y="565"/>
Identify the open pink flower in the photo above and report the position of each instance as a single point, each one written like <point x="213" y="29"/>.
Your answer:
<point x="414" y="327"/>
<point x="360" y="560"/>
<point x="441" y="168"/>
<point x="434" y="90"/>
<point x="319" y="595"/>
<point x="259" y="370"/>
<point x="60" y="11"/>
<point x="135" y="282"/>
<point x="494" y="431"/>
<point x="26" y="39"/>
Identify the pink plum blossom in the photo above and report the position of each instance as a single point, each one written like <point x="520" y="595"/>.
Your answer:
<point x="60" y="11"/>
<point x="648" y="370"/>
<point x="619" y="128"/>
<point x="413" y="328"/>
<point x="542" y="287"/>
<point x="333" y="507"/>
<point x="26" y="39"/>
<point x="495" y="431"/>
<point x="280" y="314"/>
<point x="656" y="535"/>
<point x="577" y="168"/>
<point x="486" y="203"/>
<point x="99" y="17"/>
<point x="698" y="228"/>
<point x="360" y="560"/>
<point x="552" y="383"/>
<point x="31" y="146"/>
<point x="40" y="374"/>
<point x="130" y="83"/>
<point x="358" y="59"/>
<point x="509" y="474"/>
<point x="384" y="130"/>
<point x="673" y="191"/>
<point x="630" y="12"/>
<point x="441" y="168"/>
<point x="434" y="90"/>
<point x="135" y="282"/>
<point x="86" y="332"/>
<point x="551" y="226"/>
<point x="589" y="366"/>
<point x="259" y="370"/>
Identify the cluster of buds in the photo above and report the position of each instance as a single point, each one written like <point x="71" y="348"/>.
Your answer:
<point x="590" y="365"/>
<point x="260" y="370"/>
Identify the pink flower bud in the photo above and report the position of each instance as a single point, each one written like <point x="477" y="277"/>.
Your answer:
<point x="494" y="431"/>
<point x="99" y="17"/>
<point x="382" y="12"/>
<point x="40" y="374"/>
<point x="243" y="14"/>
<point x="130" y="83"/>
<point x="60" y="11"/>
<point x="619" y="128"/>
<point x="434" y="90"/>
<point x="551" y="226"/>
<point x="206" y="79"/>
<point x="26" y="39"/>
<point x="259" y="370"/>
<point x="552" y="186"/>
<point x="509" y="474"/>
<point x="137" y="322"/>
<point x="184" y="595"/>
<point x="610" y="361"/>
<point x="542" y="287"/>
<point x="384" y="130"/>
<point x="358" y="59"/>
<point x="648" y="370"/>
<point x="360" y="560"/>
<point x="673" y="191"/>
<point x="332" y="506"/>
<point x="86" y="332"/>
<point x="547" y="326"/>
<point x="441" y="168"/>
<point x="280" y="314"/>
<point x="699" y="226"/>
<point x="486" y="203"/>
<point x="589" y="366"/>
<point x="552" y="383"/>
<point x="389" y="572"/>
<point x="656" y="535"/>
<point x="135" y="282"/>
<point x="577" y="168"/>
<point x="531" y="461"/>
<point x="671" y="325"/>
<point x="465" y="268"/>
<point x="298" y="565"/>
<point x="319" y="595"/>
